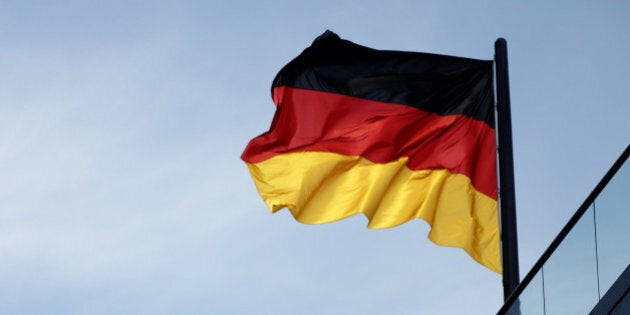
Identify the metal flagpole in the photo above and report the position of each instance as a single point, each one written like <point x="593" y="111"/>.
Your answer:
<point x="506" y="172"/>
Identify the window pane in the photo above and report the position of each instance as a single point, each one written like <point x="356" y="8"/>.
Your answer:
<point x="570" y="274"/>
<point x="612" y="209"/>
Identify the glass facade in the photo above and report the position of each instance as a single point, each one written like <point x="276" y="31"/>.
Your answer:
<point x="586" y="258"/>
<point x="612" y="214"/>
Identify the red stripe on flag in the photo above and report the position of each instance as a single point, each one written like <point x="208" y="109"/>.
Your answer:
<point x="308" y="120"/>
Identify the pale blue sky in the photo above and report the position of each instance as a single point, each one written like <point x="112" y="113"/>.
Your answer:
<point x="122" y="122"/>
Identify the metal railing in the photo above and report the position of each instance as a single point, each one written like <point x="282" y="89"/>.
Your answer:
<point x="588" y="255"/>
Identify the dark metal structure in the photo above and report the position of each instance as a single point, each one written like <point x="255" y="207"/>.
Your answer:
<point x="509" y="242"/>
<point x="513" y="298"/>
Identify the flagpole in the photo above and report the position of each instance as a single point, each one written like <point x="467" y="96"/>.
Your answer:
<point x="506" y="172"/>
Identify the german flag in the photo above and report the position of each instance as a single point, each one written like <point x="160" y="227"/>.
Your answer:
<point x="393" y="135"/>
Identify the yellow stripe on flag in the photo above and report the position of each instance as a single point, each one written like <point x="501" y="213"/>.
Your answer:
<point x="322" y="187"/>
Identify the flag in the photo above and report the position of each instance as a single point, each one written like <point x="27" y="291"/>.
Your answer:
<point x="393" y="135"/>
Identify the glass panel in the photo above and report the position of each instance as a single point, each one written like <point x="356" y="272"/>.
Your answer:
<point x="568" y="283"/>
<point x="531" y="299"/>
<point x="612" y="210"/>
<point x="571" y="271"/>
